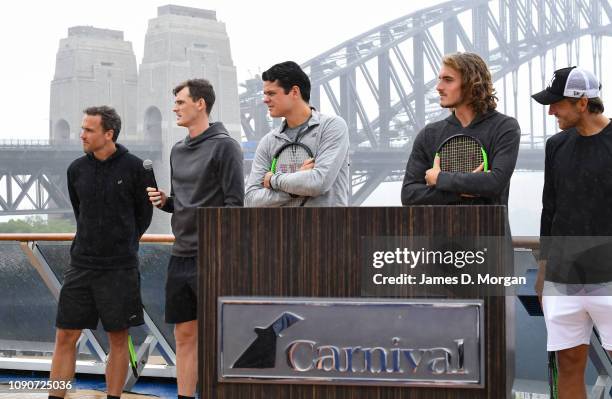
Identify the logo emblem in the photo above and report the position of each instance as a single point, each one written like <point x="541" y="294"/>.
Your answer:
<point x="551" y="81"/>
<point x="261" y="353"/>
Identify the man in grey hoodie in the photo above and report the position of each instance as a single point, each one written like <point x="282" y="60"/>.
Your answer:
<point x="323" y="179"/>
<point x="465" y="86"/>
<point x="206" y="171"/>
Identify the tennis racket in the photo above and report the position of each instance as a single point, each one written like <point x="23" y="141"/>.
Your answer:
<point x="553" y="375"/>
<point x="462" y="153"/>
<point x="133" y="357"/>
<point x="289" y="159"/>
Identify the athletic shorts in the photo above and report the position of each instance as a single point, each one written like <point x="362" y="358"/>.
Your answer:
<point x="570" y="318"/>
<point x="88" y="295"/>
<point x="182" y="290"/>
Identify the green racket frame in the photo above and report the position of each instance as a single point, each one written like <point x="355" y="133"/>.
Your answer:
<point x="485" y="157"/>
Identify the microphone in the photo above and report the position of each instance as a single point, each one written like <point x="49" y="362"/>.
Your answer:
<point x="147" y="164"/>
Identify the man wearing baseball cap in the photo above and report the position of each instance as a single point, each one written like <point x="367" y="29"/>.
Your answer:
<point x="576" y="211"/>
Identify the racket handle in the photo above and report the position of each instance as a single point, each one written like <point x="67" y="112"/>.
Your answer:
<point x="553" y="375"/>
<point x="133" y="358"/>
<point x="273" y="167"/>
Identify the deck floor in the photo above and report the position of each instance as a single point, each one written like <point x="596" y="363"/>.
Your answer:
<point x="80" y="394"/>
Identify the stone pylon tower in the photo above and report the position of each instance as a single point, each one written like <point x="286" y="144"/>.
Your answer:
<point x="180" y="44"/>
<point x="93" y="67"/>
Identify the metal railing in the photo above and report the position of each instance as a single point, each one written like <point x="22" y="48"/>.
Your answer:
<point x="154" y="340"/>
<point x="24" y="142"/>
<point x="33" y="237"/>
<point x="72" y="143"/>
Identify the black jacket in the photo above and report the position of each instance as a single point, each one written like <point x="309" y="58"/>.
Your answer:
<point x="499" y="134"/>
<point x="576" y="223"/>
<point x="111" y="208"/>
<point x="206" y="171"/>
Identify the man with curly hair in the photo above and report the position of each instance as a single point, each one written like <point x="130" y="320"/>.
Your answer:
<point x="466" y="88"/>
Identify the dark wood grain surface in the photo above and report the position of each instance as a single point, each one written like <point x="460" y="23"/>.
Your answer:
<point x="315" y="252"/>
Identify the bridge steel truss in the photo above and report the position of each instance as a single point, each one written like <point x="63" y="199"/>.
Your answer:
<point x="33" y="179"/>
<point x="33" y="176"/>
<point x="382" y="81"/>
<point x="38" y="192"/>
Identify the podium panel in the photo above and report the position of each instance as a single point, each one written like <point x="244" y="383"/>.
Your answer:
<point x="271" y="279"/>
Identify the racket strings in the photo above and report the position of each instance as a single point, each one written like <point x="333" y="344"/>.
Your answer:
<point x="460" y="154"/>
<point x="290" y="160"/>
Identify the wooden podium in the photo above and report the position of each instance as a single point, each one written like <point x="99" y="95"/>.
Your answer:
<point x="315" y="252"/>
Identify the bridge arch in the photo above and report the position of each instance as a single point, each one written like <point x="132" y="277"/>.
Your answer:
<point x="61" y="130"/>
<point x="382" y="81"/>
<point x="153" y="124"/>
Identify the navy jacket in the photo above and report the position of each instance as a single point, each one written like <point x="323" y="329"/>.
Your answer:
<point x="111" y="208"/>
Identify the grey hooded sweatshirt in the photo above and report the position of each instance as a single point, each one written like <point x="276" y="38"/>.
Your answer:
<point x="205" y="171"/>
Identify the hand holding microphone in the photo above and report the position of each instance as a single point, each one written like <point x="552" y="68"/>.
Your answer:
<point x="156" y="196"/>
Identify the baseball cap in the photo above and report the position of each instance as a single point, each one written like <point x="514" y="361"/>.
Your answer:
<point x="572" y="82"/>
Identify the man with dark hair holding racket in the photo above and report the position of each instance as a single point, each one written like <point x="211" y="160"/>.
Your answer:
<point x="305" y="161"/>
<point x="205" y="171"/>
<point x="487" y="140"/>
<point x="576" y="292"/>
<point x="107" y="192"/>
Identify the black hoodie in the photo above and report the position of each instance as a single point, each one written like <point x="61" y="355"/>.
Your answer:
<point x="206" y="171"/>
<point x="111" y="208"/>
<point x="500" y="136"/>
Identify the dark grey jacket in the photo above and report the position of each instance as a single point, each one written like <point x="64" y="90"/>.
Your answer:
<point x="205" y="171"/>
<point x="499" y="134"/>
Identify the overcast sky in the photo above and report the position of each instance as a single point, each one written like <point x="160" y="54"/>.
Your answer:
<point x="261" y="34"/>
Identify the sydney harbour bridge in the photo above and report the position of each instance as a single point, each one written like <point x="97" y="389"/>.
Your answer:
<point x="382" y="83"/>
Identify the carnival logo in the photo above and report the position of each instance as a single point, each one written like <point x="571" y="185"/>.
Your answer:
<point x="304" y="356"/>
<point x="347" y="341"/>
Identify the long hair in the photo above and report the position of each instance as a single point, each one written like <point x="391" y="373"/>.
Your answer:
<point x="477" y="84"/>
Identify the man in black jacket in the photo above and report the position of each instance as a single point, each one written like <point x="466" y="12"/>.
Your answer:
<point x="206" y="171"/>
<point x="575" y="277"/>
<point x="465" y="86"/>
<point x="108" y="194"/>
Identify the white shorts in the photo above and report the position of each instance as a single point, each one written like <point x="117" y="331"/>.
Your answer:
<point x="570" y="318"/>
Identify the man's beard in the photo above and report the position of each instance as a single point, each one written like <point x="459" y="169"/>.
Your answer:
<point x="452" y="105"/>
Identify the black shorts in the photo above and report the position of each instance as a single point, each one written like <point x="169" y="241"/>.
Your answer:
<point x="182" y="289"/>
<point x="112" y="296"/>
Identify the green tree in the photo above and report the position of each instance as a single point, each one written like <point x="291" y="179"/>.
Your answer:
<point x="36" y="224"/>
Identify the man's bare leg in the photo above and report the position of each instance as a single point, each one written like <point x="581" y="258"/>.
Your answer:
<point x="64" y="358"/>
<point x="186" y="335"/>
<point x="572" y="365"/>
<point x="118" y="360"/>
